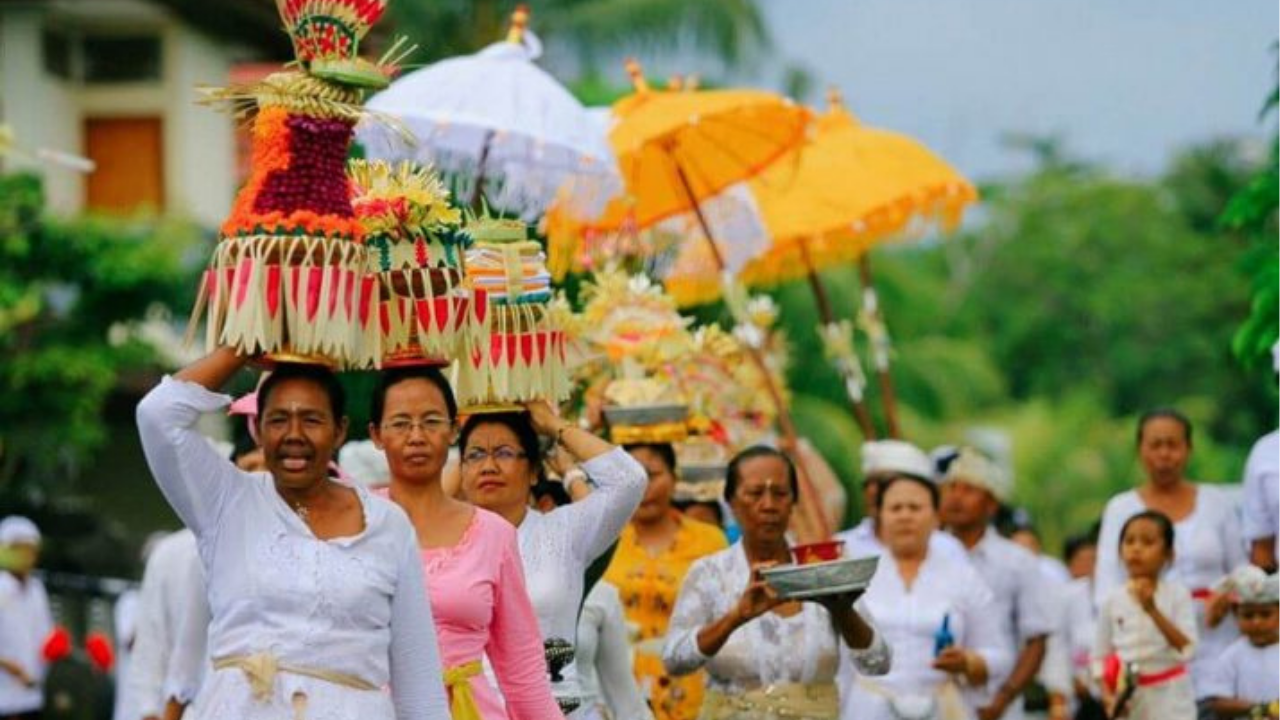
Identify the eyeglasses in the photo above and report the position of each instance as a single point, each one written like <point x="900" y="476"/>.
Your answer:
<point x="503" y="454"/>
<point x="430" y="425"/>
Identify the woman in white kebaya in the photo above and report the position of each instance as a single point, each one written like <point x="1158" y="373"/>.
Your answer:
<point x="501" y="462"/>
<point x="316" y="589"/>
<point x="933" y="610"/>
<point x="766" y="658"/>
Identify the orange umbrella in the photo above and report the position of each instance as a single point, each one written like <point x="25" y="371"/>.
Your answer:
<point x="849" y="188"/>
<point x="677" y="151"/>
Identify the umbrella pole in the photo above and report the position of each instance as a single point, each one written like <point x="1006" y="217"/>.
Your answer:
<point x="809" y="494"/>
<point x="477" y="196"/>
<point x="880" y="344"/>
<point x="828" y="318"/>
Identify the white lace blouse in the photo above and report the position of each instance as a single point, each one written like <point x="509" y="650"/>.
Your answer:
<point x="557" y="547"/>
<point x="353" y="605"/>
<point x="769" y="650"/>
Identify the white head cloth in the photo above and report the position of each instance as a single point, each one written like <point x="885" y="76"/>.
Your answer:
<point x="972" y="467"/>
<point x="895" y="456"/>
<point x="17" y="530"/>
<point x="1252" y="584"/>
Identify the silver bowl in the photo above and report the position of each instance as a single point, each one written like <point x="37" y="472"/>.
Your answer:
<point x="702" y="473"/>
<point x="797" y="582"/>
<point x="645" y="414"/>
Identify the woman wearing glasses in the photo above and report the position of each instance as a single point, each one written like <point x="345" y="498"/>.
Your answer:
<point x="472" y="562"/>
<point x="501" y="462"/>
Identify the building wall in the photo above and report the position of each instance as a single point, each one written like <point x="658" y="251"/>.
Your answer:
<point x="45" y="111"/>
<point x="42" y="111"/>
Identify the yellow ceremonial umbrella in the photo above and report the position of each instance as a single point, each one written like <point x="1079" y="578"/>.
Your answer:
<point x="677" y="151"/>
<point x="848" y="188"/>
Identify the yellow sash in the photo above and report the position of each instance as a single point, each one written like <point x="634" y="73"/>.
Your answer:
<point x="457" y="680"/>
<point x="818" y="701"/>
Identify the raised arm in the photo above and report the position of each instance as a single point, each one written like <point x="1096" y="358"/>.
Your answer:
<point x="620" y="481"/>
<point x="515" y="645"/>
<point x="599" y="518"/>
<point x="193" y="477"/>
<point x="417" y="677"/>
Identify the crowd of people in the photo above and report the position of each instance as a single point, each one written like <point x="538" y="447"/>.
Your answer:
<point x="519" y="566"/>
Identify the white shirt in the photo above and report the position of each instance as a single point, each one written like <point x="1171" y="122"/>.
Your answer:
<point x="1013" y="575"/>
<point x="769" y="650"/>
<point x="172" y="577"/>
<point x="190" y="662"/>
<point x="557" y="547"/>
<point x="25" y="624"/>
<point x="125" y="622"/>
<point x="604" y="656"/>
<point x="1207" y="547"/>
<point x="354" y="605"/>
<point x="1127" y="630"/>
<point x="1245" y="672"/>
<point x="1262" y="490"/>
<point x="909" y="620"/>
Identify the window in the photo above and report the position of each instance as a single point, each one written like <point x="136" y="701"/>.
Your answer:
<point x="121" y="58"/>
<point x="102" y="57"/>
<point x="57" y="48"/>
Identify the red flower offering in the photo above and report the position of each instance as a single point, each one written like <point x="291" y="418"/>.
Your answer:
<point x="818" y="552"/>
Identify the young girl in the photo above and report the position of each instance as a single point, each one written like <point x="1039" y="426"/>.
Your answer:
<point x="1245" y="681"/>
<point x="1149" y="625"/>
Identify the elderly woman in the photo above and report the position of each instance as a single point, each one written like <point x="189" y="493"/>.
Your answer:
<point x="654" y="553"/>
<point x="317" y="595"/>
<point x="933" y="610"/>
<point x="501" y="462"/>
<point x="1207" y="539"/>
<point x="766" y="659"/>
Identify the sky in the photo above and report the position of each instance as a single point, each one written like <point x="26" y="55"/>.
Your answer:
<point x="1124" y="82"/>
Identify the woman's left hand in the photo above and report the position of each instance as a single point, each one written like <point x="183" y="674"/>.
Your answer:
<point x="546" y="421"/>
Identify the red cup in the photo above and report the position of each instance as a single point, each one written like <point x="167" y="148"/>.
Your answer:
<point x="818" y="552"/>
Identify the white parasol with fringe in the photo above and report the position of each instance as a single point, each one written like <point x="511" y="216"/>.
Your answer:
<point x="496" y="122"/>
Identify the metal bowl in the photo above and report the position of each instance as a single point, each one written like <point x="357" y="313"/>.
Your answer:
<point x="796" y="582"/>
<point x="645" y="414"/>
<point x="702" y="473"/>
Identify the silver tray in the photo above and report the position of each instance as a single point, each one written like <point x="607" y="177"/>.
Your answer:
<point x="702" y="473"/>
<point x="796" y="582"/>
<point x="645" y="414"/>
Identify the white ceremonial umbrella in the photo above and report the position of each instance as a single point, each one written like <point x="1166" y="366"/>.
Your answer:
<point x="495" y="121"/>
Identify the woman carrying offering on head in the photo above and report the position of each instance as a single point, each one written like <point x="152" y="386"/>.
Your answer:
<point x="317" y="595"/>
<point x="501" y="463"/>
<point x="477" y="586"/>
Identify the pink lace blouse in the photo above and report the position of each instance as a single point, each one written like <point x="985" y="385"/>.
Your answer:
<point x="481" y="607"/>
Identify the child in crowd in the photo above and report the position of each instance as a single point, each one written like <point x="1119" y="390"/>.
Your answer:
<point x="1245" y="682"/>
<point x="1147" y="630"/>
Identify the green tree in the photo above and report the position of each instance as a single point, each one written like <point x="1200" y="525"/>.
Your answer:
<point x="728" y="30"/>
<point x="70" y="291"/>
<point x="1252" y="213"/>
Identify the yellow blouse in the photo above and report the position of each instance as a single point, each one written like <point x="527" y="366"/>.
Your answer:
<point x="648" y="586"/>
